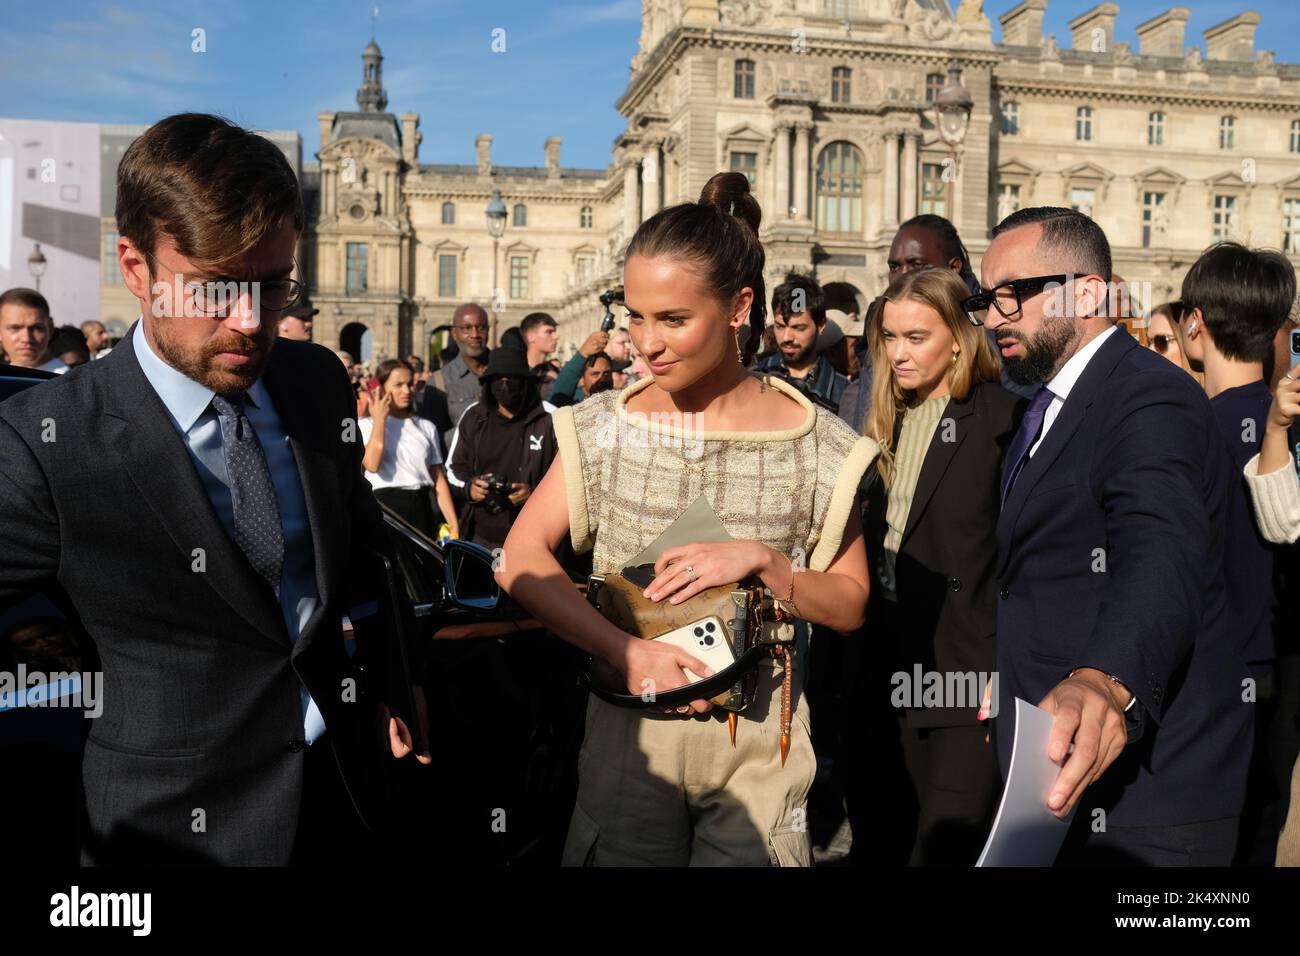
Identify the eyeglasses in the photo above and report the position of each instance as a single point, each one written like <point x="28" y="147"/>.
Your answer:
<point x="219" y="294"/>
<point x="1008" y="298"/>
<point x="1162" y="342"/>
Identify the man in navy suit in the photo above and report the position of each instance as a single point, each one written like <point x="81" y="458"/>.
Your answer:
<point x="1112" y="608"/>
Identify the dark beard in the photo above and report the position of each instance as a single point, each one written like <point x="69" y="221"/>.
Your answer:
<point x="1042" y="353"/>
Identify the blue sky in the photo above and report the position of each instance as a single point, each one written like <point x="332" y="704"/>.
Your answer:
<point x="276" y="63"/>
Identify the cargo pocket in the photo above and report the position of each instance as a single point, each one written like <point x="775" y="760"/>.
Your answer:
<point x="787" y="846"/>
<point x="580" y="846"/>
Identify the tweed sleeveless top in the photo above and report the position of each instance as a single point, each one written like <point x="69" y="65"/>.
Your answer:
<point x="628" y="476"/>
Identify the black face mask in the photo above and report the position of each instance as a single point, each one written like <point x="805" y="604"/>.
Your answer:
<point x="509" y="393"/>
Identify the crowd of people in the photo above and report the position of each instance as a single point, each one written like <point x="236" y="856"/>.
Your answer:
<point x="982" y="475"/>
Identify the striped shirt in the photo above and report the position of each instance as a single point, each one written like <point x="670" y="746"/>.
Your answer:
<point x="919" y="423"/>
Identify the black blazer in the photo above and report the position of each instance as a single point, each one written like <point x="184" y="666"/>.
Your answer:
<point x="946" y="615"/>
<point x="1110" y="555"/>
<point x="202" y="710"/>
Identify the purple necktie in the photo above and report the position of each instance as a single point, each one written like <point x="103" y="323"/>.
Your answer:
<point x="1030" y="426"/>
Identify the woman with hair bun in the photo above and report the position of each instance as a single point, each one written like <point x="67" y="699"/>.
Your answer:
<point x="670" y="789"/>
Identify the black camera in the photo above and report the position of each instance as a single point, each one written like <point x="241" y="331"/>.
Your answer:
<point x="497" y="498"/>
<point x="1295" y="349"/>
<point x="608" y="298"/>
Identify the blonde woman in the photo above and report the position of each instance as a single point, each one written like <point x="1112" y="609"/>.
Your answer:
<point x="670" y="789"/>
<point x="1165" y="336"/>
<point x="943" y="422"/>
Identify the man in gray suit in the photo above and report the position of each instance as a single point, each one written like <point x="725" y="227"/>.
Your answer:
<point x="196" y="502"/>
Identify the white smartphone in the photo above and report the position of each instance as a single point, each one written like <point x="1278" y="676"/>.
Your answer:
<point x="705" y="639"/>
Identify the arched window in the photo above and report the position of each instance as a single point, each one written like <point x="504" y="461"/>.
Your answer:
<point x="584" y="219"/>
<point x="449" y="214"/>
<point x="744" y="83"/>
<point x="839" y="188"/>
<point x="521" y="214"/>
<point x="840" y="77"/>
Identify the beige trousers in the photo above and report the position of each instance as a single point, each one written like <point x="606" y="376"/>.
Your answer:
<point x="1288" y="843"/>
<point x="657" y="790"/>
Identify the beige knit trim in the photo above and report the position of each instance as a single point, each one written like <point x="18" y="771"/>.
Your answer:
<point x="575" y="490"/>
<point x="863" y="453"/>
<point x="635" y="420"/>
<point x="1276" y="498"/>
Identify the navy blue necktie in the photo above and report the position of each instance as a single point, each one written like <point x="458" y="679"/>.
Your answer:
<point x="257" y="514"/>
<point x="1030" y="426"/>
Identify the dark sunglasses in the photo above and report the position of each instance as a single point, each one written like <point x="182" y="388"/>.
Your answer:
<point x="1162" y="342"/>
<point x="1008" y="298"/>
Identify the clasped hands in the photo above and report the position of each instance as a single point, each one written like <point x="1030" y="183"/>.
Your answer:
<point x="680" y="574"/>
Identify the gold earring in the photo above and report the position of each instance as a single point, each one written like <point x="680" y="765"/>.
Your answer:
<point x="954" y="356"/>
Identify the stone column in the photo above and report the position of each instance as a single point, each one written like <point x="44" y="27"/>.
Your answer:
<point x="891" y="180"/>
<point x="781" y="172"/>
<point x="871" y="202"/>
<point x="909" y="175"/>
<point x="631" y="204"/>
<point x="801" y="162"/>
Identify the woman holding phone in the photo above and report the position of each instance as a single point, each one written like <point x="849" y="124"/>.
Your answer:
<point x="403" y="460"/>
<point x="670" y="789"/>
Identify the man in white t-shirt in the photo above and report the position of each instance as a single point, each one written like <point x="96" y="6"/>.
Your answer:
<point x="26" y="330"/>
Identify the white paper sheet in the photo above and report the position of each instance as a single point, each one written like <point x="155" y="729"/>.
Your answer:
<point x="1025" y="832"/>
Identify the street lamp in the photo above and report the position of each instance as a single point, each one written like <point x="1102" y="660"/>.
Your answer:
<point x="952" y="109"/>
<point x="36" y="263"/>
<point x="496" y="224"/>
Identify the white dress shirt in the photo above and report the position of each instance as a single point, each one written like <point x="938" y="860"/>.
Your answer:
<point x="1064" y="381"/>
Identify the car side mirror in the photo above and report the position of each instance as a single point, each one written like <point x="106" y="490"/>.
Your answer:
<point x="469" y="576"/>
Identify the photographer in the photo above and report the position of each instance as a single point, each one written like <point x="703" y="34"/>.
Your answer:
<point x="567" y="388"/>
<point x="503" y="446"/>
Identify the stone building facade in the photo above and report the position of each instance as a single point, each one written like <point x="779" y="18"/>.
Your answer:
<point x="828" y="106"/>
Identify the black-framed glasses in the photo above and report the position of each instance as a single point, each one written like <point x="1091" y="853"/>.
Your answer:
<point x="1008" y="298"/>
<point x="218" y="295"/>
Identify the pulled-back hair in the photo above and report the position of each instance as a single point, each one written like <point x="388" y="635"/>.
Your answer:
<point x="719" y="237"/>
<point x="388" y="367"/>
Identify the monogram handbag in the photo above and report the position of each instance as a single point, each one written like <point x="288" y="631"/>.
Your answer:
<point x="756" y="628"/>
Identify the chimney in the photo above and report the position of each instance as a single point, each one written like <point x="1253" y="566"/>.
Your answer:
<point x="326" y="121"/>
<point x="1094" y="31"/>
<point x="553" y="157"/>
<point x="1023" y="25"/>
<point x="411" y="137"/>
<point x="483" y="146"/>
<point x="1163" y="35"/>
<point x="1232" y="39"/>
<point x="701" y="13"/>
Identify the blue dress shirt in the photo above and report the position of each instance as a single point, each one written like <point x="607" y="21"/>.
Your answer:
<point x="189" y="405"/>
